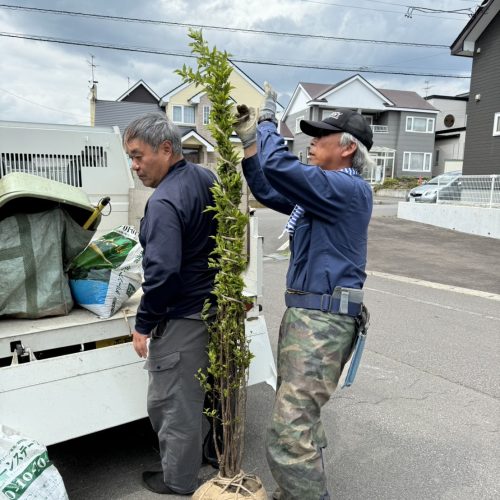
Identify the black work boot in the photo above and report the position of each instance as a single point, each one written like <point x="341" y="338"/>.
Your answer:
<point x="153" y="481"/>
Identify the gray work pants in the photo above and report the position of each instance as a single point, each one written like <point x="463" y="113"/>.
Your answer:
<point x="178" y="348"/>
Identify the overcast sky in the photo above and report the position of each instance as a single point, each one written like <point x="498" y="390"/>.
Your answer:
<point x="49" y="82"/>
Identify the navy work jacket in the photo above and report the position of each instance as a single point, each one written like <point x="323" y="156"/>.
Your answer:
<point x="329" y="245"/>
<point x="176" y="235"/>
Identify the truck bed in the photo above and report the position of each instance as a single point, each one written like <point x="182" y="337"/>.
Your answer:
<point x="100" y="386"/>
<point x="67" y="396"/>
<point x="78" y="327"/>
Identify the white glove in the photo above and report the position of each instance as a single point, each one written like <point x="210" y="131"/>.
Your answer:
<point x="245" y="125"/>
<point x="268" y="109"/>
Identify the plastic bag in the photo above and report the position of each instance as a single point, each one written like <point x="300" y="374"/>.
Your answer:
<point x="26" y="471"/>
<point x="35" y="251"/>
<point x="107" y="272"/>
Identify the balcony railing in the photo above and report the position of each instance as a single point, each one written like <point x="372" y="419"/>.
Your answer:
<point x="380" y="129"/>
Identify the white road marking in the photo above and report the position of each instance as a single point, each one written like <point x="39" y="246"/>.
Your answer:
<point x="438" y="286"/>
<point x="435" y="304"/>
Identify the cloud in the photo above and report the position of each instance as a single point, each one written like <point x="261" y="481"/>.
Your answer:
<point x="57" y="76"/>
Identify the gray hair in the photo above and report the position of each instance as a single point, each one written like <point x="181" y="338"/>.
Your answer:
<point x="154" y="129"/>
<point x="361" y="158"/>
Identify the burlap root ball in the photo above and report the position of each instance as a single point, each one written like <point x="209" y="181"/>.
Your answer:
<point x="241" y="487"/>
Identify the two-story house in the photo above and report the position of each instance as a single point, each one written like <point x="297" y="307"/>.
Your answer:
<point x="186" y="105"/>
<point x="403" y="123"/>
<point x="480" y="39"/>
<point x="451" y="124"/>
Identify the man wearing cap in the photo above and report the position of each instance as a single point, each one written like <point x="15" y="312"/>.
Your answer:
<point x="330" y="207"/>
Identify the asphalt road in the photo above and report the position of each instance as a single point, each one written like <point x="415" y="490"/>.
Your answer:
<point x="421" y="421"/>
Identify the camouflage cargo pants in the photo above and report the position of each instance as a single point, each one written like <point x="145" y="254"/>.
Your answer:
<point x="313" y="348"/>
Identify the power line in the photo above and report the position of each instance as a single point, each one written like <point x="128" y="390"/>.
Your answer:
<point x="220" y="28"/>
<point x="465" y="11"/>
<point x="406" y="5"/>
<point x="40" y="105"/>
<point x="377" y="10"/>
<point x="245" y="61"/>
<point x="411" y="11"/>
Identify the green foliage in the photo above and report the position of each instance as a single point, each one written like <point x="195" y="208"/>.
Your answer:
<point x="398" y="183"/>
<point x="228" y="352"/>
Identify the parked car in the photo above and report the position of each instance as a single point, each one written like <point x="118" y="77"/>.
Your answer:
<point x="448" y="186"/>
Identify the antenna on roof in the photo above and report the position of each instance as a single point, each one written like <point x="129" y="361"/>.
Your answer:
<point x="92" y="66"/>
<point x="427" y="88"/>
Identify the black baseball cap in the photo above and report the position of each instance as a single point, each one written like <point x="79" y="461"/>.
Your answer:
<point x="341" y="120"/>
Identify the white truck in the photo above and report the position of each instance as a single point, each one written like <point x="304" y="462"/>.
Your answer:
<point x="67" y="376"/>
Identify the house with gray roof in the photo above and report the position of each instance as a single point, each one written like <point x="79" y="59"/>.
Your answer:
<point x="138" y="100"/>
<point x="403" y="123"/>
<point x="480" y="39"/>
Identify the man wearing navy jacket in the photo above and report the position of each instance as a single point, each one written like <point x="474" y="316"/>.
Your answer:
<point x="176" y="235"/>
<point x="330" y="207"/>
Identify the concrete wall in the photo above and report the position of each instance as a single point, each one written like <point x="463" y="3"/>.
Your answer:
<point x="393" y="193"/>
<point x="465" y="219"/>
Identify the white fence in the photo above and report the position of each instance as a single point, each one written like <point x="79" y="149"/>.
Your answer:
<point x="475" y="190"/>
<point x="380" y="129"/>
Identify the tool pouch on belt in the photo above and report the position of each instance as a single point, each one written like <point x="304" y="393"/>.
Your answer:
<point x="347" y="299"/>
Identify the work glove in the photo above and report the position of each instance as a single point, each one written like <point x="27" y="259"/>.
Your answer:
<point x="245" y="125"/>
<point x="268" y="109"/>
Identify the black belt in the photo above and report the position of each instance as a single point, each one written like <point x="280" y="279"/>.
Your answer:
<point x="325" y="303"/>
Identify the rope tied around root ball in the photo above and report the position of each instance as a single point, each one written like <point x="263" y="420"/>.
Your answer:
<point x="235" y="482"/>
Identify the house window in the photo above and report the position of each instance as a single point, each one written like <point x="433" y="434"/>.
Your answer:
<point x="297" y="124"/>
<point x="177" y="114"/>
<point x="369" y="119"/>
<point x="183" y="114"/>
<point x="188" y="114"/>
<point x="419" y="124"/>
<point x="496" y="124"/>
<point x="417" y="162"/>
<point x="206" y="115"/>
